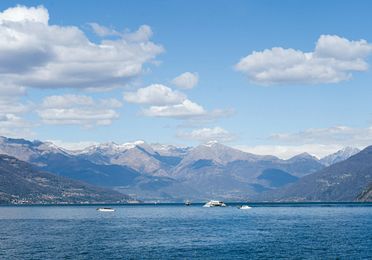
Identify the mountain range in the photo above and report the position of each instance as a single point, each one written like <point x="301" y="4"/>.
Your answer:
<point x="348" y="180"/>
<point x="168" y="173"/>
<point x="22" y="183"/>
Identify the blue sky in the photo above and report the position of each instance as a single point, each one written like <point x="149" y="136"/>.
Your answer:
<point x="309" y="91"/>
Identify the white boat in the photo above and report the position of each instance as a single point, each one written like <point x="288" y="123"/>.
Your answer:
<point x="188" y="203"/>
<point x="245" y="207"/>
<point x="106" y="209"/>
<point x="214" y="203"/>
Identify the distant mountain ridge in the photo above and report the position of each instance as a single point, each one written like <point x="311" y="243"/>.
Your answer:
<point x="115" y="176"/>
<point x="158" y="172"/>
<point x="137" y="155"/>
<point x="229" y="173"/>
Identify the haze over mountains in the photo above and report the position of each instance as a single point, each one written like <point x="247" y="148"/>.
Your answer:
<point x="169" y="173"/>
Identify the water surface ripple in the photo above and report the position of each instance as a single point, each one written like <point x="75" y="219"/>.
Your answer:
<point x="176" y="231"/>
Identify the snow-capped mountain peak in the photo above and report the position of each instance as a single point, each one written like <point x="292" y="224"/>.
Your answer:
<point x="49" y="147"/>
<point x="339" y="156"/>
<point x="114" y="148"/>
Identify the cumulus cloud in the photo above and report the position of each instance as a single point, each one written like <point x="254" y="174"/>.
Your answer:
<point x="207" y="134"/>
<point x="23" y="14"/>
<point x="155" y="94"/>
<point x="186" y="80"/>
<point x="143" y="34"/>
<point x="186" y="109"/>
<point x="78" y="110"/>
<point x="162" y="101"/>
<point x="333" y="60"/>
<point x="34" y="53"/>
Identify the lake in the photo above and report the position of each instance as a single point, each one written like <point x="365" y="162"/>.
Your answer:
<point x="172" y="231"/>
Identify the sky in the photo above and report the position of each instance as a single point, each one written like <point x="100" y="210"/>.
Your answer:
<point x="267" y="77"/>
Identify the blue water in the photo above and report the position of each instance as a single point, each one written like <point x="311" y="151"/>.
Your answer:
<point x="305" y="231"/>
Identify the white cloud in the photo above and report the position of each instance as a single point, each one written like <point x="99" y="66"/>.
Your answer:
<point x="333" y="60"/>
<point x="162" y="101"/>
<point x="332" y="46"/>
<point x="207" y="134"/>
<point x="12" y="105"/>
<point x="155" y="94"/>
<point x="186" y="109"/>
<point x="12" y="125"/>
<point x="143" y="34"/>
<point x="78" y="110"/>
<point x="76" y="116"/>
<point x="9" y="91"/>
<point x="186" y="80"/>
<point x="23" y="14"/>
<point x="34" y="53"/>
<point x="67" y="101"/>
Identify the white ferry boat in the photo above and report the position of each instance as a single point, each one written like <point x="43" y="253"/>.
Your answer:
<point x="214" y="203"/>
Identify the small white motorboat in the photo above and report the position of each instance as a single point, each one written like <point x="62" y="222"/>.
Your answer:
<point x="244" y="207"/>
<point x="187" y="203"/>
<point x="214" y="203"/>
<point x="106" y="209"/>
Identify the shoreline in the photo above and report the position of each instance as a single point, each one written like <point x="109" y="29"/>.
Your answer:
<point x="257" y="204"/>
